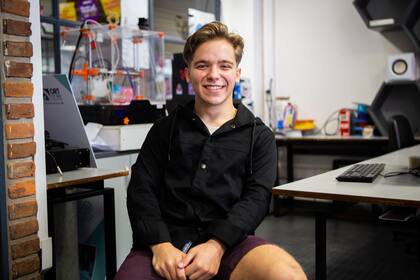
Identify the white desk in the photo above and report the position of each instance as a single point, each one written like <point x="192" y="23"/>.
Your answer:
<point x="403" y="190"/>
<point x="91" y="183"/>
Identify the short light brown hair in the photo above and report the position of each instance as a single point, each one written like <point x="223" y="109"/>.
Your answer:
<point x="211" y="31"/>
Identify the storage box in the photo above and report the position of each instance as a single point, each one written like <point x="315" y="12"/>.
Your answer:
<point x="125" y="137"/>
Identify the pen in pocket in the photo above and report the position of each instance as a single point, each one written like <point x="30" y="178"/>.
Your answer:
<point x="186" y="247"/>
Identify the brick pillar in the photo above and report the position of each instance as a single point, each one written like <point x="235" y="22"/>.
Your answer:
<point x="18" y="111"/>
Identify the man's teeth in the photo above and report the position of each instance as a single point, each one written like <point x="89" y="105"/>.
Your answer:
<point x="213" y="87"/>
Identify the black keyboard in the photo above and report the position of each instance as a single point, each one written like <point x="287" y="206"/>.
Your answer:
<point x="362" y="172"/>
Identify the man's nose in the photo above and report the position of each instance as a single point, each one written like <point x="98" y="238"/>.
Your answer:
<point x="213" y="72"/>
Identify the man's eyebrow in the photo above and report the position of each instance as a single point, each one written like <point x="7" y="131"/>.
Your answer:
<point x="200" y="61"/>
<point x="227" y="61"/>
<point x="219" y="62"/>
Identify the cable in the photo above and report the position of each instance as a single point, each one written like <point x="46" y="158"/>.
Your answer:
<point x="414" y="172"/>
<point x="55" y="161"/>
<point x="329" y="119"/>
<point x="98" y="46"/>
<point x="74" y="54"/>
<point x="269" y="102"/>
<point x="104" y="61"/>
<point x="130" y="80"/>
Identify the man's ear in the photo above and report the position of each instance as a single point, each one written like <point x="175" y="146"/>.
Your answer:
<point x="238" y="75"/>
<point x="187" y="76"/>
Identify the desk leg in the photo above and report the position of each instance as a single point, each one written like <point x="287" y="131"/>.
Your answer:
<point x="109" y="225"/>
<point x="418" y="241"/>
<point x="290" y="175"/>
<point x="320" y="246"/>
<point x="51" y="273"/>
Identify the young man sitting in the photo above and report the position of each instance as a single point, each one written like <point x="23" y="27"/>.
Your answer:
<point x="202" y="181"/>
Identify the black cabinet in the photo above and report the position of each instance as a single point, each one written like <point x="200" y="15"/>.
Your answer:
<point x="391" y="15"/>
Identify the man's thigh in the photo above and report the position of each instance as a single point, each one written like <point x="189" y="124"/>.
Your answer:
<point x="137" y="265"/>
<point x="267" y="262"/>
<point x="233" y="256"/>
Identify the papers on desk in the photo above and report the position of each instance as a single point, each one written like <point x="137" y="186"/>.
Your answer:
<point x="294" y="132"/>
<point x="92" y="131"/>
<point x="117" y="137"/>
<point x="289" y="132"/>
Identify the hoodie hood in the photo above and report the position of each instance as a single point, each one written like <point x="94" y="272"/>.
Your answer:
<point x="243" y="117"/>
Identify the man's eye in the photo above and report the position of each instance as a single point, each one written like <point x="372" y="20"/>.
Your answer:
<point x="226" y="66"/>
<point x="200" y="66"/>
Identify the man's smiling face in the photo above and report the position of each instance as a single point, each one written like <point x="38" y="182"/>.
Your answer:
<point x="213" y="72"/>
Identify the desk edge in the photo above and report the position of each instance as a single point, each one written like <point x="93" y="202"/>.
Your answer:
<point x="348" y="198"/>
<point x="86" y="180"/>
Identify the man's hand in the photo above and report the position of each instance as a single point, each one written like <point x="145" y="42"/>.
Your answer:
<point x="165" y="260"/>
<point x="202" y="261"/>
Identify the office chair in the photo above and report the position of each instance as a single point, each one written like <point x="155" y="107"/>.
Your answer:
<point x="400" y="133"/>
<point x="401" y="136"/>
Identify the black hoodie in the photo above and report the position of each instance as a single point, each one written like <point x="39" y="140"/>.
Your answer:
<point x="188" y="185"/>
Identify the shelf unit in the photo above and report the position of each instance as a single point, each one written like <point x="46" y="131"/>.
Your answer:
<point x="383" y="15"/>
<point x="397" y="98"/>
<point x="391" y="15"/>
<point x="411" y="24"/>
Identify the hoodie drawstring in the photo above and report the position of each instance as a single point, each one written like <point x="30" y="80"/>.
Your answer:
<point x="251" y="152"/>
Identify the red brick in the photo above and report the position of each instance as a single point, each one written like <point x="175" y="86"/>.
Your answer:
<point x="22" y="189"/>
<point x="23" y="229"/>
<point x="16" y="7"/>
<point x="21" y="150"/>
<point x="18" y="69"/>
<point x="19" y="130"/>
<point x="19" y="49"/>
<point x="20" y="169"/>
<point x="19" y="110"/>
<point x="25" y="248"/>
<point x="25" y="266"/>
<point x="18" y="89"/>
<point x="17" y="27"/>
<point x="22" y="209"/>
<point x="35" y="276"/>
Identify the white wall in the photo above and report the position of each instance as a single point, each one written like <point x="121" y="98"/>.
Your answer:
<point x="326" y="57"/>
<point x="131" y="10"/>
<point x="37" y="99"/>
<point x="244" y="17"/>
<point x="268" y="52"/>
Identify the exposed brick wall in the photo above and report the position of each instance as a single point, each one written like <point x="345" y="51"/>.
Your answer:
<point x="16" y="71"/>
<point x="21" y="188"/>
<point x="21" y="150"/>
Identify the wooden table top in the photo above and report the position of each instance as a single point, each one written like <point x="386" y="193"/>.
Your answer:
<point x="81" y="176"/>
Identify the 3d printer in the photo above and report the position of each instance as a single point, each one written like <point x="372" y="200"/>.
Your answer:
<point x="111" y="67"/>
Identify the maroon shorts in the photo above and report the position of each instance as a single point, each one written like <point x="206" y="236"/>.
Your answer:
<point x="138" y="264"/>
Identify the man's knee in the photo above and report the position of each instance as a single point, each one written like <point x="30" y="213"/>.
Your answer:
<point x="268" y="262"/>
<point x="284" y="266"/>
<point x="285" y="271"/>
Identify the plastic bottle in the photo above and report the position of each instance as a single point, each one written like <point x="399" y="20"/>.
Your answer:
<point x="280" y="104"/>
<point x="289" y="116"/>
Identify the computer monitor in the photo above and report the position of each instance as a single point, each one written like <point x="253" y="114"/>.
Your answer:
<point x="402" y="98"/>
